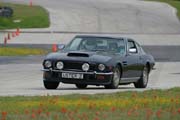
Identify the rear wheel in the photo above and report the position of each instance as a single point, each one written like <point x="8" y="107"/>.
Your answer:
<point x="51" y="85"/>
<point x="81" y="86"/>
<point x="143" y="81"/>
<point x="115" y="81"/>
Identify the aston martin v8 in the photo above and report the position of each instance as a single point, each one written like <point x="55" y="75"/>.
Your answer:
<point x="97" y="60"/>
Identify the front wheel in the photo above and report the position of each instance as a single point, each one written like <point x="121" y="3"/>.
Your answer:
<point x="50" y="85"/>
<point x="115" y="80"/>
<point x="81" y="86"/>
<point x="143" y="81"/>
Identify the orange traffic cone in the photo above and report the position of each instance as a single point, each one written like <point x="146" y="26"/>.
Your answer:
<point x="9" y="37"/>
<point x="5" y="41"/>
<point x="30" y="3"/>
<point x="54" y="47"/>
<point x="17" y="32"/>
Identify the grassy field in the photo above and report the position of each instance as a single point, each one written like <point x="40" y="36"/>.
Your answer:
<point x="148" y="105"/>
<point x="17" y="51"/>
<point x="174" y="3"/>
<point x="30" y="17"/>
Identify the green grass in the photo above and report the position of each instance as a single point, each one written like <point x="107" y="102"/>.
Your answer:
<point x="31" y="17"/>
<point x="148" y="105"/>
<point x="174" y="3"/>
<point x="17" y="51"/>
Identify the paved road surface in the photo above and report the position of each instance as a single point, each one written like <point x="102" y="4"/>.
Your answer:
<point x="118" y="16"/>
<point x="50" y="38"/>
<point x="26" y="79"/>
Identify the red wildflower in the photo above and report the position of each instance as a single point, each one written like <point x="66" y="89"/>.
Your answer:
<point x="33" y="116"/>
<point x="113" y="109"/>
<point x="63" y="110"/>
<point x="129" y="113"/>
<point x="96" y="118"/>
<point x="158" y="113"/>
<point x="4" y="115"/>
<point x="178" y="110"/>
<point x="39" y="111"/>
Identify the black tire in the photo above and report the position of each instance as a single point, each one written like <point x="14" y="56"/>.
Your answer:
<point x="81" y="86"/>
<point x="48" y="83"/>
<point x="143" y="81"/>
<point x="115" y="80"/>
<point x="51" y="85"/>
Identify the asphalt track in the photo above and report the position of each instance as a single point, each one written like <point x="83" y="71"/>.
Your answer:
<point x="152" y="24"/>
<point x="109" y="16"/>
<point x="26" y="79"/>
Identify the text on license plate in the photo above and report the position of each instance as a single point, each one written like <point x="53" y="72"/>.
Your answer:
<point x="72" y="75"/>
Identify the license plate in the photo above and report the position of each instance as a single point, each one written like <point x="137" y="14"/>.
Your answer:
<point x="72" y="75"/>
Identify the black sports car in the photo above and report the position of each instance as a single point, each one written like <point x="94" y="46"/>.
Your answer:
<point x="92" y="60"/>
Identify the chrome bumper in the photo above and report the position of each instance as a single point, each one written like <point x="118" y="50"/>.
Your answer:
<point x="91" y="73"/>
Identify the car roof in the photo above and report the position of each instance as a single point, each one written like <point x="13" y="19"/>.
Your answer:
<point x="99" y="36"/>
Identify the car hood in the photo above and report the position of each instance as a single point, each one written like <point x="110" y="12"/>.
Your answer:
<point x="100" y="57"/>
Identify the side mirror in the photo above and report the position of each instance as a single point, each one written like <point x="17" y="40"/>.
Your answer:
<point x="61" y="46"/>
<point x="132" y="50"/>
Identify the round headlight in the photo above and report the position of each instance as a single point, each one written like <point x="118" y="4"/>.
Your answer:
<point x="101" y="67"/>
<point x="47" y="64"/>
<point x="85" y="66"/>
<point x="60" y="65"/>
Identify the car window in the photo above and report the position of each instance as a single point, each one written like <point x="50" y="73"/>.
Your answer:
<point x="74" y="44"/>
<point x="142" y="50"/>
<point x="97" y="44"/>
<point x="131" y="44"/>
<point x="138" y="48"/>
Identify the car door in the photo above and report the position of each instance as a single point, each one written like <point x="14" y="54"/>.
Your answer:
<point x="140" y="59"/>
<point x="130" y="62"/>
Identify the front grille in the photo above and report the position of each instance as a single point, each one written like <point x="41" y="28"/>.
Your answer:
<point x="76" y="65"/>
<point x="73" y="65"/>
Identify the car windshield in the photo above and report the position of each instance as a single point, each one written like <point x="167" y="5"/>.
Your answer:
<point x="96" y="44"/>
